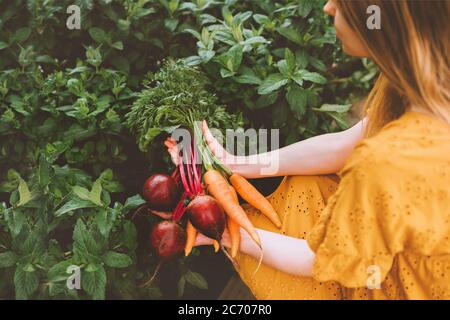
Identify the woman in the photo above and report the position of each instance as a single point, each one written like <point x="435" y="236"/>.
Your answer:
<point x="383" y="230"/>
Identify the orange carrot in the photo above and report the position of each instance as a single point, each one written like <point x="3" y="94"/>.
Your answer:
<point x="191" y="235"/>
<point x="234" y="229"/>
<point x="218" y="187"/>
<point x="253" y="197"/>
<point x="233" y="192"/>
<point x="216" y="246"/>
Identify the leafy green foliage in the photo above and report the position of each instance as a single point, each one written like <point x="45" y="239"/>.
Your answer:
<point x="79" y="110"/>
<point x="172" y="96"/>
<point x="279" y="61"/>
<point x="102" y="238"/>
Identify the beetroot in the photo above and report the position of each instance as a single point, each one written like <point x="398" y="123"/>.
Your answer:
<point x="207" y="216"/>
<point x="167" y="239"/>
<point x="161" y="192"/>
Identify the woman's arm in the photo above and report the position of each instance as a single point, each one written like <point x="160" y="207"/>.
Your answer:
<point x="322" y="154"/>
<point x="287" y="254"/>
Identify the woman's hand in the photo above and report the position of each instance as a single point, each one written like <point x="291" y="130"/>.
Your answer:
<point x="203" y="240"/>
<point x="217" y="149"/>
<point x="172" y="148"/>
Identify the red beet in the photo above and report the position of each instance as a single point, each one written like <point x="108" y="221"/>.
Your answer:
<point x="161" y="192"/>
<point x="207" y="216"/>
<point x="167" y="239"/>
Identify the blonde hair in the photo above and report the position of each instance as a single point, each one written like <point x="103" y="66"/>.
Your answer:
<point x="412" y="51"/>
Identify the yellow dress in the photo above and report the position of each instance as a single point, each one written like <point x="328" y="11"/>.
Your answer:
<point x="380" y="231"/>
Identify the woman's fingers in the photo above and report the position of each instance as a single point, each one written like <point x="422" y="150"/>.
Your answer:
<point x="172" y="148"/>
<point x="212" y="142"/>
<point x="202" y="240"/>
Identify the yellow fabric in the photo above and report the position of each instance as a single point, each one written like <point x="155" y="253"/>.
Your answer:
<point x="387" y="220"/>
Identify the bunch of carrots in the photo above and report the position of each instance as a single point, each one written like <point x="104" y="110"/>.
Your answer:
<point x="205" y="191"/>
<point x="224" y="186"/>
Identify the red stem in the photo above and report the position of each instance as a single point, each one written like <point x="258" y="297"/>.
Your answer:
<point x="199" y="174"/>
<point x="180" y="214"/>
<point x="180" y="209"/>
<point x="197" y="170"/>
<point x="189" y="174"/>
<point x="197" y="182"/>
<point x="176" y="174"/>
<point x="183" y="179"/>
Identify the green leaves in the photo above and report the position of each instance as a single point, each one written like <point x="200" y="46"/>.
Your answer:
<point x="248" y="76"/>
<point x="97" y="197"/>
<point x="290" y="59"/>
<point x="20" y="35"/>
<point x="86" y="248"/>
<point x="339" y="108"/>
<point x="89" y="248"/>
<point x="337" y="113"/>
<point x="116" y="260"/>
<point x="129" y="235"/>
<point x="291" y="34"/>
<point x="312" y="76"/>
<point x="3" y="45"/>
<point x="196" y="279"/>
<point x="29" y="254"/>
<point x="93" y="281"/>
<point x="45" y="172"/>
<point x="103" y="37"/>
<point x="98" y="34"/>
<point x="74" y="204"/>
<point x="181" y="286"/>
<point x="24" y="193"/>
<point x="15" y="220"/>
<point x="193" y="278"/>
<point x="94" y="57"/>
<point x="132" y="203"/>
<point x="231" y="61"/>
<point x="25" y="282"/>
<point x="7" y="259"/>
<point x="305" y="7"/>
<point x="272" y="83"/>
<point x="96" y="193"/>
<point x="103" y="240"/>
<point x="298" y="100"/>
<point x="180" y="92"/>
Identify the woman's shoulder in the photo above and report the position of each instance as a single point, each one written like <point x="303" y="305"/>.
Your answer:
<point x="413" y="143"/>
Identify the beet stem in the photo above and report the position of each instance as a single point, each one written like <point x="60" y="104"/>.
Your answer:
<point x="138" y="210"/>
<point x="150" y="281"/>
<point x="175" y="175"/>
<point x="180" y="209"/>
<point x="189" y="174"/>
<point x="194" y="168"/>
<point x="183" y="179"/>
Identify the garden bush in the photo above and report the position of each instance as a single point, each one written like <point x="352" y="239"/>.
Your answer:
<point x="71" y="169"/>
